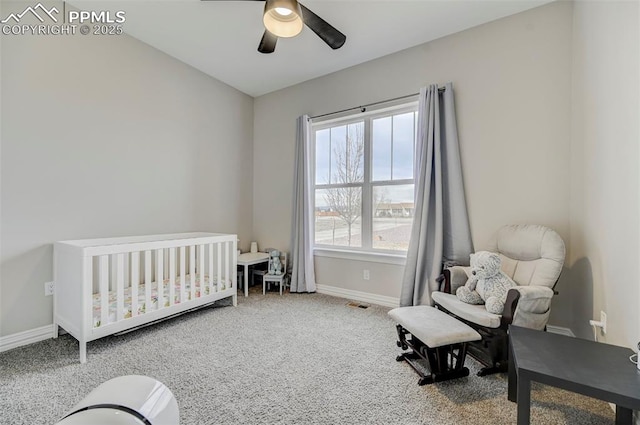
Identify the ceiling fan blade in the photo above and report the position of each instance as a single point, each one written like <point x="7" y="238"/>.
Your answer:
<point x="334" y="38"/>
<point x="268" y="43"/>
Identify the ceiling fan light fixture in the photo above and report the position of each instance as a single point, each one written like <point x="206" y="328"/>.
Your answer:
<point x="283" y="18"/>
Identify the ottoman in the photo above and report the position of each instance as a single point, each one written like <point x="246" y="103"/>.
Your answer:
<point x="434" y="337"/>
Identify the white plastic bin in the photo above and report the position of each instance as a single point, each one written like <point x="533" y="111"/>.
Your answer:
<point x="126" y="400"/>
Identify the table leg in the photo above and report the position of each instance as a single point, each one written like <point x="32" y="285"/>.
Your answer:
<point x="246" y="280"/>
<point x="624" y="416"/>
<point x="524" y="400"/>
<point x="512" y="383"/>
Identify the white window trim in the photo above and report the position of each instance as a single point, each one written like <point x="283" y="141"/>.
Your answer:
<point x="366" y="252"/>
<point x="399" y="259"/>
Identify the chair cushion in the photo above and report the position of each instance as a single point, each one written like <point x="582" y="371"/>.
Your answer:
<point x="433" y="327"/>
<point x="530" y="254"/>
<point x="473" y="313"/>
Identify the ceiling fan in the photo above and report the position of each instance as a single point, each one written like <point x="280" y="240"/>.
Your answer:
<point x="285" y="18"/>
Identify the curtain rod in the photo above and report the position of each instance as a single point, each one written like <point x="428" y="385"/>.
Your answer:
<point x="363" y="108"/>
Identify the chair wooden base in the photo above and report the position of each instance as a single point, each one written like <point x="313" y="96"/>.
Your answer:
<point x="492" y="351"/>
<point x="267" y="279"/>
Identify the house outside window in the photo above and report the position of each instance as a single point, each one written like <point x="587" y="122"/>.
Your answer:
<point x="364" y="186"/>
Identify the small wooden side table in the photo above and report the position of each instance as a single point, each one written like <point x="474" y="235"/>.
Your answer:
<point x="591" y="368"/>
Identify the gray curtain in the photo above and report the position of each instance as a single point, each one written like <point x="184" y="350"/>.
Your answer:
<point x="440" y="232"/>
<point x="303" y="277"/>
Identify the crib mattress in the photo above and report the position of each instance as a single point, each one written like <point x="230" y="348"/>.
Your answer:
<point x="164" y="297"/>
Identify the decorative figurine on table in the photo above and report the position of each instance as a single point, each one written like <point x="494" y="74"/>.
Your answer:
<point x="275" y="265"/>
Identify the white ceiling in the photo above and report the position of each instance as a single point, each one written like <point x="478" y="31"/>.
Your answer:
<point x="220" y="38"/>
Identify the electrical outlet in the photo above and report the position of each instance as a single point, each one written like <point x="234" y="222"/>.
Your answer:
<point x="49" y="288"/>
<point x="603" y="320"/>
<point x="365" y="274"/>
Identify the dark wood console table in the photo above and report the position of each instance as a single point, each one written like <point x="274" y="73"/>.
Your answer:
<point x="591" y="368"/>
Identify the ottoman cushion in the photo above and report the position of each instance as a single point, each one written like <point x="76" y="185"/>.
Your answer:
<point x="433" y="327"/>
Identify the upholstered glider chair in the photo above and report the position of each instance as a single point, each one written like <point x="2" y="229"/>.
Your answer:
<point x="533" y="257"/>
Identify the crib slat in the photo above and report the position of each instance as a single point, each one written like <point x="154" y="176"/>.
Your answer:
<point x="160" y="276"/>
<point x="172" y="276"/>
<point x="147" y="281"/>
<point x="227" y="265"/>
<point x="120" y="287"/>
<point x="201" y="269"/>
<point x="135" y="281"/>
<point x="183" y="278"/>
<point x="219" y="266"/>
<point x="211" y="289"/>
<point x="103" y="277"/>
<point x="192" y="271"/>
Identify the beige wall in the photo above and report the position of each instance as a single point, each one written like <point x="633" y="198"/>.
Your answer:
<point x="513" y="92"/>
<point x="106" y="136"/>
<point x="547" y="105"/>
<point x="604" y="266"/>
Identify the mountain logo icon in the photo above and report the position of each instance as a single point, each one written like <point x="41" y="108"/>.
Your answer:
<point x="34" y="11"/>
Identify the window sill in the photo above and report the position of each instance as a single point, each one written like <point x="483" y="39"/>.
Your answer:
<point x="371" y="257"/>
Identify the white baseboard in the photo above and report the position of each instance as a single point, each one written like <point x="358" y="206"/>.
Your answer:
<point x="25" y="338"/>
<point x="366" y="297"/>
<point x="560" y="330"/>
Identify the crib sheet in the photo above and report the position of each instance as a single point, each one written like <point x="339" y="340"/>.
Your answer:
<point x="142" y="307"/>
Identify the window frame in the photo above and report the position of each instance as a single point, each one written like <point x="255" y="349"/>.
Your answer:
<point x="366" y="252"/>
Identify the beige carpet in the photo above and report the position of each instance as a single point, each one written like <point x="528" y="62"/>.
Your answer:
<point x="292" y="359"/>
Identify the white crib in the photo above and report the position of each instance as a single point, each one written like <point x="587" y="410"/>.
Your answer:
<point x="105" y="286"/>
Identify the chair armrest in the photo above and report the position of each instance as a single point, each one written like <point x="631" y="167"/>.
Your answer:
<point x="532" y="305"/>
<point x="454" y="277"/>
<point x="510" y="306"/>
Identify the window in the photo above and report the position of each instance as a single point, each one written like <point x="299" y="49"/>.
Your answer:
<point x="364" y="198"/>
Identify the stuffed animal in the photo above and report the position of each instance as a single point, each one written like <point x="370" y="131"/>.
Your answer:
<point x="488" y="284"/>
<point x="275" y="265"/>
